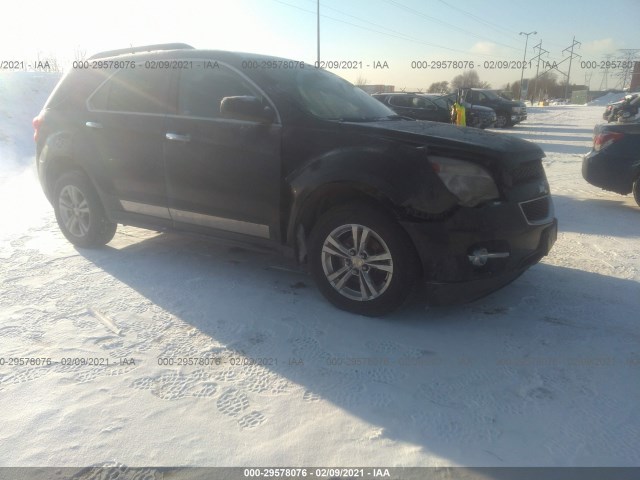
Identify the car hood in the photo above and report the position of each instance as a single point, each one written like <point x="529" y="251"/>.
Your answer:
<point x="480" y="109"/>
<point x="445" y="136"/>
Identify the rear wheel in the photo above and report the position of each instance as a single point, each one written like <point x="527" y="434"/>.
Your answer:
<point x="79" y="212"/>
<point x="636" y="191"/>
<point x="362" y="260"/>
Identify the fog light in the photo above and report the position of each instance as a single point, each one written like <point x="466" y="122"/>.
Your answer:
<point x="481" y="256"/>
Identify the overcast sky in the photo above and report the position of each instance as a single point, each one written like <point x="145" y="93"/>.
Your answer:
<point x="397" y="32"/>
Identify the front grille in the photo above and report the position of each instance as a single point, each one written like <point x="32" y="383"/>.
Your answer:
<point x="538" y="210"/>
<point x="527" y="171"/>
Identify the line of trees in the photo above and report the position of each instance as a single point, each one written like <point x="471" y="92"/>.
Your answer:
<point x="546" y="86"/>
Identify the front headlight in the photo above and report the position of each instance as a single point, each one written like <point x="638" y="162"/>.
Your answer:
<point x="471" y="183"/>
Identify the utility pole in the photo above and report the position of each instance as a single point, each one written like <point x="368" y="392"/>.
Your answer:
<point x="540" y="52"/>
<point x="587" y="82"/>
<point x="318" y="29"/>
<point x="627" y="59"/>
<point x="605" y="75"/>
<point x="524" y="60"/>
<point x="566" y="87"/>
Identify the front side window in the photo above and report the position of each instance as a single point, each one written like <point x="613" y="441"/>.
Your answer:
<point x="202" y="89"/>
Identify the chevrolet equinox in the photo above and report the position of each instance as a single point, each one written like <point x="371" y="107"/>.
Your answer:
<point x="274" y="152"/>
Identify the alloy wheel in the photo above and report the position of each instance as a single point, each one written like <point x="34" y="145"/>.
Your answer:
<point x="357" y="262"/>
<point x="74" y="211"/>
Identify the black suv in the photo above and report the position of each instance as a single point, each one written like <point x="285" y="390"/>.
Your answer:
<point x="273" y="152"/>
<point x="436" y="108"/>
<point x="508" y="112"/>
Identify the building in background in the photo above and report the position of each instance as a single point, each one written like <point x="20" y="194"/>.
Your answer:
<point x="635" y="78"/>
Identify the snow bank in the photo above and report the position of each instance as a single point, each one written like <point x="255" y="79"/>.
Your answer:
<point x="22" y="95"/>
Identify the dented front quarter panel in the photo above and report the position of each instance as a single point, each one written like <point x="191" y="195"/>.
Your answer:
<point x="390" y="158"/>
<point x="395" y="169"/>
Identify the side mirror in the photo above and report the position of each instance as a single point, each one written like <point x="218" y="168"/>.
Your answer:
<point x="246" y="107"/>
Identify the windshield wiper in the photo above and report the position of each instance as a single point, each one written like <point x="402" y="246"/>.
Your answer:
<point x="395" y="117"/>
<point x="369" y="119"/>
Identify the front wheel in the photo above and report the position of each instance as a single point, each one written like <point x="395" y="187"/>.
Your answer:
<point x="636" y="191"/>
<point x="362" y="260"/>
<point x="79" y="212"/>
<point x="502" y="121"/>
<point x="475" y="122"/>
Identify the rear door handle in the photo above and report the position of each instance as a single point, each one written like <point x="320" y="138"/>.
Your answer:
<point x="178" y="138"/>
<point x="93" y="125"/>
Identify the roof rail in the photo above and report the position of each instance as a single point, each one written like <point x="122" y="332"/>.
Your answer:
<point x="145" y="48"/>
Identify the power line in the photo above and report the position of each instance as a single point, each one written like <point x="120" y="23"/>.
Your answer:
<point x="571" y="56"/>
<point x="447" y="24"/>
<point x="399" y="36"/>
<point x="605" y="74"/>
<point x="481" y="20"/>
<point x="541" y="51"/>
<point x="628" y="56"/>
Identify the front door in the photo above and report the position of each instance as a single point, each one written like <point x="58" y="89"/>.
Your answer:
<point x="223" y="173"/>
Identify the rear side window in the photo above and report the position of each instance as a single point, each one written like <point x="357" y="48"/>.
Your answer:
<point x="139" y="90"/>
<point x="202" y="89"/>
<point x="74" y="88"/>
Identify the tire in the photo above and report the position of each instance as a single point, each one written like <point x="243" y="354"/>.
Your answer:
<point x="501" y="121"/>
<point x="476" y="123"/>
<point x="80" y="213"/>
<point x="636" y="191"/>
<point x="344" y="269"/>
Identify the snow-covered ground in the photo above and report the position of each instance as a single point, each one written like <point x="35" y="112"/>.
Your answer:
<point x="545" y="372"/>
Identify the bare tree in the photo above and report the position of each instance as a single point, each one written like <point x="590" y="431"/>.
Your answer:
<point x="439" y="87"/>
<point x="468" y="79"/>
<point x="79" y="54"/>
<point x="361" y="81"/>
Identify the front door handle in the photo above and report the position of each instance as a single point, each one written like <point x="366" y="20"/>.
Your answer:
<point x="178" y="138"/>
<point x="93" y="125"/>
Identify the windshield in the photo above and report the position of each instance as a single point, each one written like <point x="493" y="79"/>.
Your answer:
<point x="329" y="97"/>
<point x="492" y="95"/>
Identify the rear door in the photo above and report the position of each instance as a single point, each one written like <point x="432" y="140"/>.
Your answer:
<point x="125" y="127"/>
<point x="223" y="173"/>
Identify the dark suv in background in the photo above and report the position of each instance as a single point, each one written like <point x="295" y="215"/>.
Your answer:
<point x="434" y="107"/>
<point x="508" y="112"/>
<point x="273" y="152"/>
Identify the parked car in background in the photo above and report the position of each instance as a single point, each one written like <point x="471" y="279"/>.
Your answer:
<point x="434" y="107"/>
<point x="508" y="112"/>
<point x="415" y="105"/>
<point x="476" y="115"/>
<point x="613" y="110"/>
<point x="296" y="160"/>
<point x="614" y="161"/>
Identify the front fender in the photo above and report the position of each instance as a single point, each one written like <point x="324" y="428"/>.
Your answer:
<point x="398" y="174"/>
